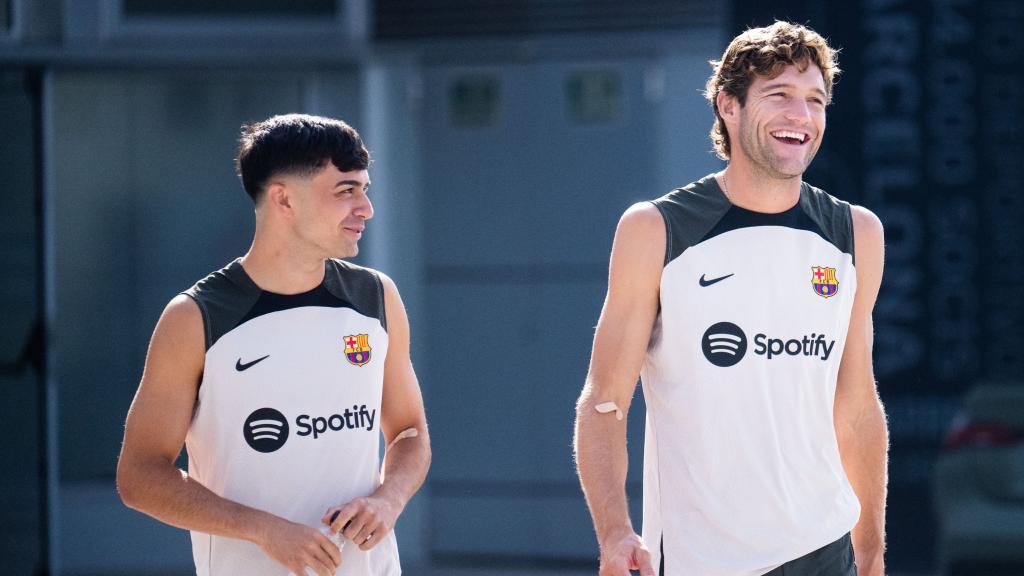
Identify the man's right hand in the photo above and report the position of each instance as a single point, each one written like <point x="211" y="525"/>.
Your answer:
<point x="625" y="553"/>
<point x="296" y="546"/>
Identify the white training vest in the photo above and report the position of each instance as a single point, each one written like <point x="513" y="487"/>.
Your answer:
<point x="741" y="463"/>
<point x="288" y="414"/>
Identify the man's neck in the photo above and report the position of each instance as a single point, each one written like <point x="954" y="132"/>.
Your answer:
<point x="752" y="189"/>
<point x="279" y="268"/>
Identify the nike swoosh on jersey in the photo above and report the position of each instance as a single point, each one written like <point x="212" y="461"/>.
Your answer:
<point x="243" y="367"/>
<point x="705" y="283"/>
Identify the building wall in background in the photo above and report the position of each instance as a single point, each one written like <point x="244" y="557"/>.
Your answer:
<point x="528" y="168"/>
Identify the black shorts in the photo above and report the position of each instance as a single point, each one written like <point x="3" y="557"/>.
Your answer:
<point x="835" y="559"/>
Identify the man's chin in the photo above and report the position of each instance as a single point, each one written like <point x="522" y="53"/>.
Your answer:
<point x="786" y="172"/>
<point x="790" y="170"/>
<point x="348" y="252"/>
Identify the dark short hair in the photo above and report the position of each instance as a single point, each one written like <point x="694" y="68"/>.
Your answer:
<point x="296" y="145"/>
<point x="765" y="52"/>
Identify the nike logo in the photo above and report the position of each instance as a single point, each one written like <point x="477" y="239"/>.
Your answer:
<point x="705" y="283"/>
<point x="242" y="367"/>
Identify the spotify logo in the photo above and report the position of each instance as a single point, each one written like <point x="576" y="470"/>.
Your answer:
<point x="724" y="344"/>
<point x="265" y="430"/>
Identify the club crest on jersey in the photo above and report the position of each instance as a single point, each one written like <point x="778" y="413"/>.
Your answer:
<point x="357" y="349"/>
<point x="824" y="281"/>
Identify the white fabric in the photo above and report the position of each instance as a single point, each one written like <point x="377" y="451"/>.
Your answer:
<point x="306" y="374"/>
<point x="742" y="470"/>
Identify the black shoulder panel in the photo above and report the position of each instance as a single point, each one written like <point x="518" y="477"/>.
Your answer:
<point x="224" y="298"/>
<point x="360" y="287"/>
<point x="708" y="215"/>
<point x="229" y="298"/>
<point x="690" y="213"/>
<point x="832" y="216"/>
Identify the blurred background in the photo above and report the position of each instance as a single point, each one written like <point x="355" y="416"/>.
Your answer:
<point x="508" y="136"/>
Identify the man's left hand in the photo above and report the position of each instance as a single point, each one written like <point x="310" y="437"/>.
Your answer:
<point x="365" y="521"/>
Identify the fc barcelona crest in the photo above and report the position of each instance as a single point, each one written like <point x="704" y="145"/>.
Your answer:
<point x="357" y="349"/>
<point x="824" y="281"/>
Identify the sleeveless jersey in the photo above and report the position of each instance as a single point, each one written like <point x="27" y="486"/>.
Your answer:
<point x="288" y="412"/>
<point x="741" y="462"/>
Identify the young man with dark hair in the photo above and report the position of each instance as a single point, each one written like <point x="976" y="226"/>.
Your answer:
<point x="279" y="373"/>
<point x="743" y="301"/>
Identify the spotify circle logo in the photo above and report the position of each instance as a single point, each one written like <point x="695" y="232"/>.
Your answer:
<point x="724" y="344"/>
<point x="265" y="430"/>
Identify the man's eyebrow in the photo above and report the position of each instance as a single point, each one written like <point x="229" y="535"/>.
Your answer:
<point x="353" y="183"/>
<point x="776" y="85"/>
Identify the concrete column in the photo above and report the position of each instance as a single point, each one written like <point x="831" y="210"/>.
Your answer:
<point x="390" y="126"/>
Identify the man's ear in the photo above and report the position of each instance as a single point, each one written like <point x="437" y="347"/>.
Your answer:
<point x="728" y="106"/>
<point x="278" y="197"/>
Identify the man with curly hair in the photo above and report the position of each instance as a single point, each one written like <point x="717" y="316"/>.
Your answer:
<point x="743" y="301"/>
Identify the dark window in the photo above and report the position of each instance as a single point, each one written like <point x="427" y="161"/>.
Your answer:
<point x="22" y="348"/>
<point x="229" y="8"/>
<point x="399" y="19"/>
<point x="594" y="97"/>
<point x="6" y="16"/>
<point x="474" y="100"/>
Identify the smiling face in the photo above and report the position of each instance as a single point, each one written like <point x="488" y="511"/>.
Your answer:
<point x="779" y="129"/>
<point x="330" y="210"/>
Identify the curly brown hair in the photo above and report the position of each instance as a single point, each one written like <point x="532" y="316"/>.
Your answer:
<point x="765" y="52"/>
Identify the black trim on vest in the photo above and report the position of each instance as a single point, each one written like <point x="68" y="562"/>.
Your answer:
<point x="361" y="287"/>
<point x="700" y="211"/>
<point x="689" y="213"/>
<point x="223" y="297"/>
<point x="229" y="298"/>
<point x="737" y="218"/>
<point x="833" y="217"/>
<point x="270" y="302"/>
<point x="661" y="563"/>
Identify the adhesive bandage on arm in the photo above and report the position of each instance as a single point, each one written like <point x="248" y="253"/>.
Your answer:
<point x="607" y="407"/>
<point x="407" y="433"/>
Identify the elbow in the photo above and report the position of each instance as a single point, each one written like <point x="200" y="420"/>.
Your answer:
<point x="128" y="485"/>
<point x="428" y="454"/>
<point x="428" y="458"/>
<point x="586" y="401"/>
<point x="581" y="406"/>
<point x="125" y="487"/>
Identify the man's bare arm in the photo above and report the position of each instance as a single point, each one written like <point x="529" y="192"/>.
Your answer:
<point x="404" y="425"/>
<point x="859" y="418"/>
<point x="158" y="421"/>
<point x="620" y="343"/>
